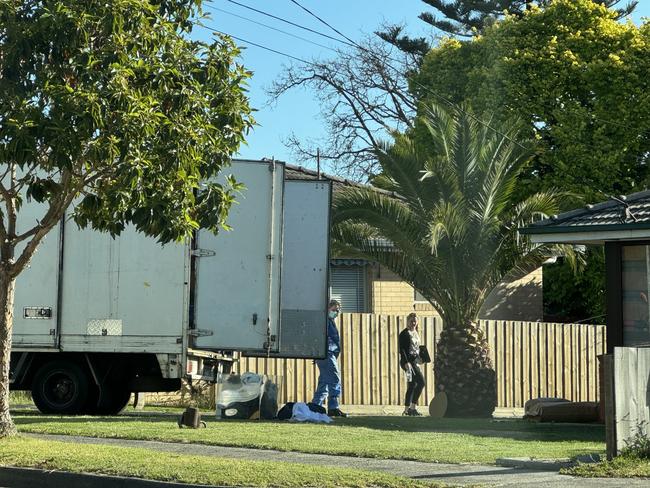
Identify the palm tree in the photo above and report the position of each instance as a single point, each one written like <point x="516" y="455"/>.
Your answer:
<point x="446" y="222"/>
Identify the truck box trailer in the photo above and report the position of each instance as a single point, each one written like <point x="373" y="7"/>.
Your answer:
<point x="97" y="318"/>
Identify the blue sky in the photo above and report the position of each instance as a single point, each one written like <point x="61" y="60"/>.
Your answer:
<point x="297" y="111"/>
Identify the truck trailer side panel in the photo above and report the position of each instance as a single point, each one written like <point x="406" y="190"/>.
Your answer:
<point x="126" y="294"/>
<point x="305" y="265"/>
<point x="35" y="303"/>
<point x="98" y="317"/>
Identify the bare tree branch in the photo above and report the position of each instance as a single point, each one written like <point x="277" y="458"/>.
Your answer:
<point x="363" y="95"/>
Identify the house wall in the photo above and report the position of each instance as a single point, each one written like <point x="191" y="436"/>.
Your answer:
<point x="521" y="299"/>
<point x="391" y="295"/>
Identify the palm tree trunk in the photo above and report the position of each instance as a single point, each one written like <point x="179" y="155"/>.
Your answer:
<point x="463" y="370"/>
<point x="7" y="286"/>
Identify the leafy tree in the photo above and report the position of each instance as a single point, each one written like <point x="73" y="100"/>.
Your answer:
<point x="467" y="18"/>
<point x="578" y="78"/>
<point x="453" y="235"/>
<point x="111" y="105"/>
<point x="575" y="75"/>
<point x="576" y="297"/>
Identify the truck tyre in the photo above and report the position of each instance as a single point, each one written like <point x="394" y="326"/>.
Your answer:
<point x="60" y="387"/>
<point x="112" y="400"/>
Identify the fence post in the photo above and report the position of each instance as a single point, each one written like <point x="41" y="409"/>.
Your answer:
<point x="610" y="420"/>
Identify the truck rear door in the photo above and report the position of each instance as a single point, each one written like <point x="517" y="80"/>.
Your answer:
<point x="305" y="263"/>
<point x="236" y="278"/>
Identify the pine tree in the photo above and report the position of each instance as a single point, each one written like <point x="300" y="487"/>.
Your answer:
<point x="466" y="18"/>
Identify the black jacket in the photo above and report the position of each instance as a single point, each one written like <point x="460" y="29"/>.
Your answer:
<point x="408" y="353"/>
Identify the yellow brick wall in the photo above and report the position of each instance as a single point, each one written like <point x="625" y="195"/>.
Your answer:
<point x="512" y="300"/>
<point x="389" y="294"/>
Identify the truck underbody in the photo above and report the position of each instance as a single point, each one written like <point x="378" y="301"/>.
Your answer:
<point x="101" y="383"/>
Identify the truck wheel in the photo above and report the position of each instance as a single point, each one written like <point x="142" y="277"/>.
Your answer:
<point x="112" y="400"/>
<point x="91" y="402"/>
<point x="60" y="387"/>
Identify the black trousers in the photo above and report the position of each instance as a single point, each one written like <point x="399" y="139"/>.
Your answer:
<point x="415" y="386"/>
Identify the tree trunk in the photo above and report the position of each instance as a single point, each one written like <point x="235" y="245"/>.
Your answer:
<point x="463" y="369"/>
<point x="7" y="287"/>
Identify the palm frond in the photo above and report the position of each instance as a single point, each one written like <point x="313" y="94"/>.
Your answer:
<point x="360" y="240"/>
<point x="394" y="217"/>
<point x="452" y="233"/>
<point x="402" y="167"/>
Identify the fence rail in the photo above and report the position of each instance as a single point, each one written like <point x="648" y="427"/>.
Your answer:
<point x="531" y="359"/>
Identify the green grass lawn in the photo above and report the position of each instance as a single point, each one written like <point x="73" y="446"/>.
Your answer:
<point x="422" y="439"/>
<point x="144" y="463"/>
<point x="620" y="467"/>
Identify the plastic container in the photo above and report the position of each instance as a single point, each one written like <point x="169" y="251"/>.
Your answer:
<point x="249" y="396"/>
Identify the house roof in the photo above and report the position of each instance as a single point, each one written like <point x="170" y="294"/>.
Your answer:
<point x="295" y="172"/>
<point x="619" y="218"/>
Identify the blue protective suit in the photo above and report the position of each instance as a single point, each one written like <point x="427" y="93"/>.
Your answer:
<point x="329" y="379"/>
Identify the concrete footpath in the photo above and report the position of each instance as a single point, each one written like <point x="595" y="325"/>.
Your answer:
<point x="455" y="474"/>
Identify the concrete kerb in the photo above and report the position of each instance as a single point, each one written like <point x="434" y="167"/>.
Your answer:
<point x="547" y="464"/>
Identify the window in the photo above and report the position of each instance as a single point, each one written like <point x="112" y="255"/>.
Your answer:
<point x="417" y="297"/>
<point x="636" y="285"/>
<point x="348" y="286"/>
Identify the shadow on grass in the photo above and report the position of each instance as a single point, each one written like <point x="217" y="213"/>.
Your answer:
<point x="499" y="428"/>
<point x="508" y="428"/>
<point x="25" y="419"/>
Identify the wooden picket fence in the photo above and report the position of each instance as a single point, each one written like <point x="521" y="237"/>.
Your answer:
<point x="531" y="359"/>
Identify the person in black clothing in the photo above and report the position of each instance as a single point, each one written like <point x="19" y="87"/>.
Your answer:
<point x="409" y="357"/>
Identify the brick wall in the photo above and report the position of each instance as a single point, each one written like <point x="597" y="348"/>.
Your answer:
<point x="517" y="300"/>
<point x="390" y="295"/>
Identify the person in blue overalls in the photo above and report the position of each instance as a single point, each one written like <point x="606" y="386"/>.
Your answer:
<point x="329" y="379"/>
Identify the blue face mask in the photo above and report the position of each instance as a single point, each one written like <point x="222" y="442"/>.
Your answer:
<point x="333" y="314"/>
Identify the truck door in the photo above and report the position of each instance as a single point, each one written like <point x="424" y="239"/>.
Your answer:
<point x="305" y="263"/>
<point x="237" y="273"/>
<point x="35" y="303"/>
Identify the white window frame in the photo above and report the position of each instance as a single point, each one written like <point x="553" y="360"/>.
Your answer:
<point x="418" y="298"/>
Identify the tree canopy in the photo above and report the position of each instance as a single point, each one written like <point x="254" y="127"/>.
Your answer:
<point x="111" y="105"/>
<point x="467" y="18"/>
<point x="575" y="74"/>
<point x="113" y="102"/>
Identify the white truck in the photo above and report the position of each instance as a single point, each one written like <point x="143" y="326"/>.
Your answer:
<point x="96" y="318"/>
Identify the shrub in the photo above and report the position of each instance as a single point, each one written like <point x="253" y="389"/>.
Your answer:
<point x="638" y="446"/>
